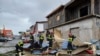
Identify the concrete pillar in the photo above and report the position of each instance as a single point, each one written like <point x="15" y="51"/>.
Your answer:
<point x="92" y="6"/>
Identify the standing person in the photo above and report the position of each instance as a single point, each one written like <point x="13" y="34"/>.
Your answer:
<point x="19" y="46"/>
<point x="31" y="42"/>
<point x="70" y="39"/>
<point x="47" y="33"/>
<point x="50" y="39"/>
<point x="31" y="39"/>
<point x="41" y="38"/>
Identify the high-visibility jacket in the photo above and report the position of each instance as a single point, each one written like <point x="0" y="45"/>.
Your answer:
<point x="49" y="37"/>
<point x="20" y="43"/>
<point x="41" y="37"/>
<point x="31" y="37"/>
<point x="70" y="39"/>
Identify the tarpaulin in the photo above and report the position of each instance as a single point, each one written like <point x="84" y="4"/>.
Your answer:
<point x="64" y="44"/>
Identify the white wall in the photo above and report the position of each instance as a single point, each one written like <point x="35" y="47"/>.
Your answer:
<point x="40" y="27"/>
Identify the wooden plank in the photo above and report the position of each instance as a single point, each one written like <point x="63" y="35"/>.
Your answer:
<point x="79" y="50"/>
<point x="77" y="42"/>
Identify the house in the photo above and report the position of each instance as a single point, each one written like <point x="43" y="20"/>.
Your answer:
<point x="39" y="27"/>
<point x="81" y="17"/>
<point x="7" y="33"/>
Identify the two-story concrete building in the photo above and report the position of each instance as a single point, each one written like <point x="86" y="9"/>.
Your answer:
<point x="82" y="17"/>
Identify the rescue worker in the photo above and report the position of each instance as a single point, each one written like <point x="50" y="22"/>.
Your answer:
<point x="19" y="48"/>
<point x="50" y="39"/>
<point x="70" y="39"/>
<point x="31" y="42"/>
<point x="31" y="39"/>
<point x="41" y="38"/>
<point x="36" y="45"/>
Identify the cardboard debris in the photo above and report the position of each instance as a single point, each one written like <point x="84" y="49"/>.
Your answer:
<point x="55" y="45"/>
<point x="94" y="49"/>
<point x="62" y="52"/>
<point x="77" y="42"/>
<point x="79" y="50"/>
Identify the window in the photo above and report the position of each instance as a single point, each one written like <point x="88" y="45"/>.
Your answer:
<point x="84" y="11"/>
<point x="58" y="18"/>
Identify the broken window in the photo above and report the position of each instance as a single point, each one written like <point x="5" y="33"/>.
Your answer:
<point x="84" y="11"/>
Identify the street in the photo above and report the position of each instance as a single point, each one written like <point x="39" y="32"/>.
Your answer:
<point x="8" y="46"/>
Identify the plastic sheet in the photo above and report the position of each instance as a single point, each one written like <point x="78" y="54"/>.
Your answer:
<point x="45" y="44"/>
<point x="64" y="45"/>
<point x="26" y="45"/>
<point x="37" y="52"/>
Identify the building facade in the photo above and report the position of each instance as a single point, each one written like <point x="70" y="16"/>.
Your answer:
<point x="39" y="27"/>
<point x="79" y="16"/>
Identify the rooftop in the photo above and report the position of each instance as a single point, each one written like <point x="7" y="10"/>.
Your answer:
<point x="55" y="11"/>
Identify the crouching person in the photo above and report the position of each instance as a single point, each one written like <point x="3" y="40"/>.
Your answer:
<point x="19" y="48"/>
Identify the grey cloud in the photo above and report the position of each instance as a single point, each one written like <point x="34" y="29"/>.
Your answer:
<point x="14" y="12"/>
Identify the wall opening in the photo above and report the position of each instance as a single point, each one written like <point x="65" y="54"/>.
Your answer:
<point x="84" y="11"/>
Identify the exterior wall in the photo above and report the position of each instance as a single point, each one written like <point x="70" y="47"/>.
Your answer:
<point x="52" y="21"/>
<point x="87" y="29"/>
<point x="8" y="33"/>
<point x="84" y="33"/>
<point x="45" y="26"/>
<point x="32" y="29"/>
<point x="96" y="28"/>
<point x="40" y="27"/>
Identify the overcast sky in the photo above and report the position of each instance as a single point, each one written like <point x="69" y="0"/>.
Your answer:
<point x="19" y="15"/>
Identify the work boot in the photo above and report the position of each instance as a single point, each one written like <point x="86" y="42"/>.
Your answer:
<point x="31" y="51"/>
<point x="16" y="54"/>
<point x="70" y="52"/>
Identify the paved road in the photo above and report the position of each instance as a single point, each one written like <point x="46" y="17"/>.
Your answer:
<point x="9" y="43"/>
<point x="8" y="46"/>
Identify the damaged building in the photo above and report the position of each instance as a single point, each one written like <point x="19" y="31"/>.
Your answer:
<point x="82" y="17"/>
